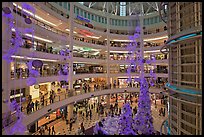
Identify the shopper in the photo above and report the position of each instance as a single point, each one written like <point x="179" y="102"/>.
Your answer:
<point x="36" y="104"/>
<point x="87" y="114"/>
<point x="32" y="106"/>
<point x="49" y="130"/>
<point x="53" y="130"/>
<point x="90" y="113"/>
<point x="82" y="128"/>
<point x="164" y="112"/>
<point x="70" y="124"/>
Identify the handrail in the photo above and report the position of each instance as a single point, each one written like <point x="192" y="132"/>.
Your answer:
<point x="37" y="22"/>
<point x="64" y="96"/>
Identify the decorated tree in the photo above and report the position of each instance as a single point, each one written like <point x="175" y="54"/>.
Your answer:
<point x="125" y="121"/>
<point x="143" y="121"/>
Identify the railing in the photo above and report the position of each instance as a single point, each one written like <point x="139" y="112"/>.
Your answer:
<point x="12" y="118"/>
<point x="60" y="97"/>
<point x="41" y="24"/>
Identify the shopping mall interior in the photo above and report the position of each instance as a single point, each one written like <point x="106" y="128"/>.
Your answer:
<point x="102" y="68"/>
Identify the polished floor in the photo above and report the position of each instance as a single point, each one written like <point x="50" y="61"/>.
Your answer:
<point x="61" y="128"/>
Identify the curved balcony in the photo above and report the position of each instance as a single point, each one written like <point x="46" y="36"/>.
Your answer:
<point x="42" y="29"/>
<point x="90" y="60"/>
<point x="68" y="98"/>
<point x="40" y="54"/>
<point x="21" y="83"/>
<point x="89" y="44"/>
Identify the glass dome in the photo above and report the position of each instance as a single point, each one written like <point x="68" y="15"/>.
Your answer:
<point x="124" y="8"/>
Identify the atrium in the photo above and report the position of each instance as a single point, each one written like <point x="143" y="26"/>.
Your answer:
<point x="102" y="68"/>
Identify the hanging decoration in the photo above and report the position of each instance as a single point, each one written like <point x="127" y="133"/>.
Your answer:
<point x="18" y="127"/>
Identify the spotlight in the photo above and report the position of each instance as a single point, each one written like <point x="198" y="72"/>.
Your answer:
<point x="6" y="10"/>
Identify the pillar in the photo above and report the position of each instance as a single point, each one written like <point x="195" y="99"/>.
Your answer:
<point x="6" y="78"/>
<point x="108" y="100"/>
<point x="108" y="47"/>
<point x="70" y="111"/>
<point x="141" y="19"/>
<point x="71" y="26"/>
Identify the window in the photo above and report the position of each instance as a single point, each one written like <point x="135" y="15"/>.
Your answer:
<point x="96" y="17"/>
<point x="68" y="6"/>
<point x="85" y="14"/>
<point x="81" y="12"/>
<point x="92" y="17"/>
<point x="125" y="22"/>
<point x="99" y="19"/>
<point x="102" y="20"/>
<point x="119" y="23"/>
<point x="88" y="15"/>
<point x="65" y="5"/>
<point x="105" y="21"/>
<point x="122" y="22"/>
<point x="60" y="3"/>
<point x="116" y="22"/>
<point x="77" y="11"/>
<point x="122" y="8"/>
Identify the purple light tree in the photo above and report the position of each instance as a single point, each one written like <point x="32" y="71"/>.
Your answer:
<point x="125" y="121"/>
<point x="143" y="121"/>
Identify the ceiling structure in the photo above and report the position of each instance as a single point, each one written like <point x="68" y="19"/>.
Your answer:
<point x="132" y="8"/>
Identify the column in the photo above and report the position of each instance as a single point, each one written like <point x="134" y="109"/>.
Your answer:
<point x="108" y="100"/>
<point x="5" y="65"/>
<point x="70" y="111"/>
<point x="71" y="26"/>
<point x="200" y="109"/>
<point x="99" y="99"/>
<point x="197" y="120"/>
<point x="141" y="19"/>
<point x="178" y="117"/>
<point x="108" y="46"/>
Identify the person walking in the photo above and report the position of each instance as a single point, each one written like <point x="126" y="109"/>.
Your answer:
<point x="90" y="114"/>
<point x="163" y="112"/>
<point x="82" y="128"/>
<point x="32" y="106"/>
<point x="70" y="125"/>
<point x="49" y="130"/>
<point x="53" y="130"/>
<point x="36" y="105"/>
<point x="87" y="114"/>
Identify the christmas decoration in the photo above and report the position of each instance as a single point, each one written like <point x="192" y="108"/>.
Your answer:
<point x="125" y="121"/>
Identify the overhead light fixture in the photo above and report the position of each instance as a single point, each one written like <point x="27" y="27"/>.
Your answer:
<point x="34" y="16"/>
<point x="151" y="51"/>
<point x="69" y="30"/>
<point x="39" y="38"/>
<point x="21" y="57"/>
<point x="158" y="38"/>
<point x="94" y="37"/>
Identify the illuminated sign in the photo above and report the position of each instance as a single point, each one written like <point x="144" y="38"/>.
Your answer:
<point x="82" y="19"/>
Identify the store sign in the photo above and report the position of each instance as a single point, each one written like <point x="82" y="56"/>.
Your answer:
<point x="82" y="19"/>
